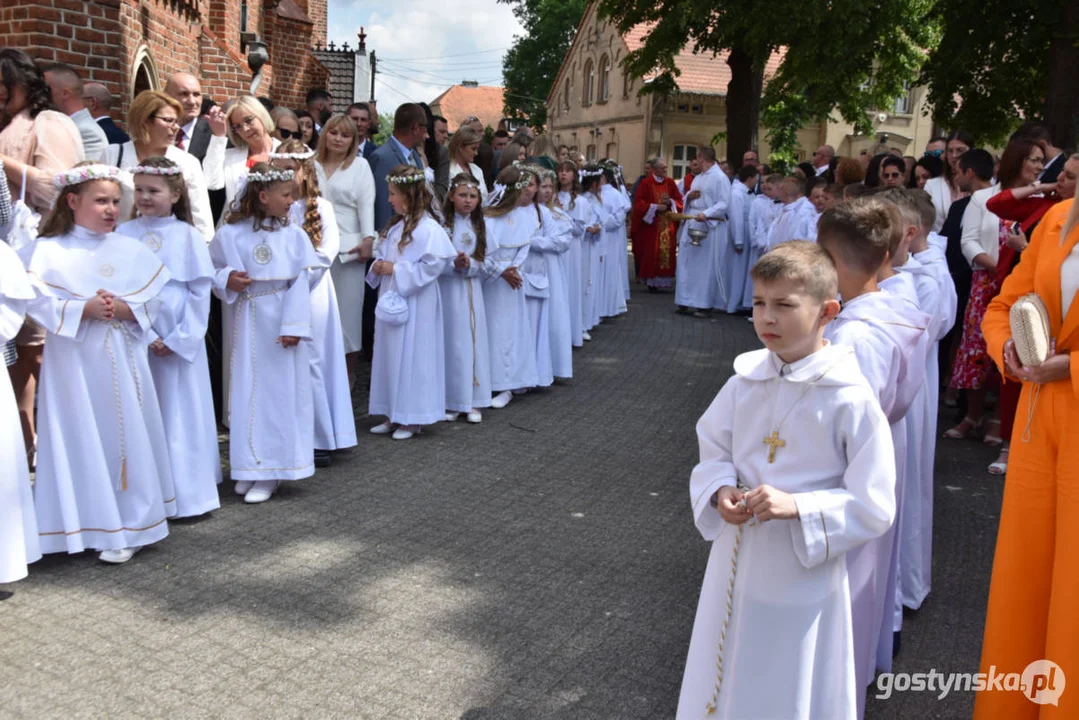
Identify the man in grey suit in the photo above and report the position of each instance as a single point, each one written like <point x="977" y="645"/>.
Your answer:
<point x="409" y="131"/>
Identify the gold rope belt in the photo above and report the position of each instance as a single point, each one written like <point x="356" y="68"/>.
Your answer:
<point x="126" y="335"/>
<point x="246" y="299"/>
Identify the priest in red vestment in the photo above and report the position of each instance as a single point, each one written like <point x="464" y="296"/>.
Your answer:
<point x="655" y="238"/>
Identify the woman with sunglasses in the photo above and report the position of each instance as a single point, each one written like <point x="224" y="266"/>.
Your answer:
<point x="153" y="121"/>
<point x="251" y="130"/>
<point x="286" y="125"/>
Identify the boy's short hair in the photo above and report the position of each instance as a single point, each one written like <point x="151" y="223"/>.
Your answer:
<point x="861" y="232"/>
<point x="924" y="204"/>
<point x="802" y="262"/>
<point x="773" y="178"/>
<point x="795" y="185"/>
<point x="746" y="172"/>
<point x="902" y="199"/>
<point x="834" y="190"/>
<point x="855" y="190"/>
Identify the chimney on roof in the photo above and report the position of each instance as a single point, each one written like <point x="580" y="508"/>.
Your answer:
<point x="470" y="83"/>
<point x="363" y="42"/>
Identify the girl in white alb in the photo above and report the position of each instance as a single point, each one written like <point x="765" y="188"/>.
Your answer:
<point x="103" y="476"/>
<point x="511" y="222"/>
<point x="569" y="192"/>
<point x="408" y="368"/>
<point x="558" y="231"/>
<point x="177" y="338"/>
<point x="335" y="422"/>
<point x="265" y="268"/>
<point x="464" y="315"/>
<point x="596" y="249"/>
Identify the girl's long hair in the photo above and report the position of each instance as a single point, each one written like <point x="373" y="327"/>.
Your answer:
<point x="479" y="227"/>
<point x="510" y="176"/>
<point x="61" y="218"/>
<point x="419" y="201"/>
<point x="575" y="186"/>
<point x="249" y="207"/>
<point x="176" y="183"/>
<point x="312" y="219"/>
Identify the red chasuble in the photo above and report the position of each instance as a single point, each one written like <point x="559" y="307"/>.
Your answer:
<point x="655" y="244"/>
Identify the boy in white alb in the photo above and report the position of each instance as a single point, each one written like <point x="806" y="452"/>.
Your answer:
<point x="784" y="493"/>
<point x="888" y="336"/>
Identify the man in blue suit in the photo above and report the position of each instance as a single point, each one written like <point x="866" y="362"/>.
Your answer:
<point x="409" y="131"/>
<point x="360" y="114"/>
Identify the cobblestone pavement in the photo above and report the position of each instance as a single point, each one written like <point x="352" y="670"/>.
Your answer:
<point x="542" y="564"/>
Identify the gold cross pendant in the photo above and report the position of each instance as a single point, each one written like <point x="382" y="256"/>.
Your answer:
<point x="774" y="443"/>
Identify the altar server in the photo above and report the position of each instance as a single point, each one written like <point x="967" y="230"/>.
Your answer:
<point x="698" y="276"/>
<point x="733" y="264"/>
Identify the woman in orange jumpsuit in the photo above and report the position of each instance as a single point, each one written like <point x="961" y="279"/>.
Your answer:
<point x="1034" y="595"/>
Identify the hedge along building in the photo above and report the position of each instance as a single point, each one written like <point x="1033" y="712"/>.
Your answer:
<point x="594" y="107"/>
<point x="135" y="45"/>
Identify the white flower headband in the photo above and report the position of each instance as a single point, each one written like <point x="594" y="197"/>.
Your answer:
<point x="307" y="154"/>
<point x="586" y="172"/>
<point x="468" y="180"/>
<point x="271" y="176"/>
<point x="409" y="179"/>
<point x="526" y="170"/>
<point x="86" y="173"/>
<point x="149" y="170"/>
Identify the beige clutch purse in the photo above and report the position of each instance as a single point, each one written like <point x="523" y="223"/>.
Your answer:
<point x="1030" y="330"/>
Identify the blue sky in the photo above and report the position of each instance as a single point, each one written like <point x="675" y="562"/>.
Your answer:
<point x="424" y="46"/>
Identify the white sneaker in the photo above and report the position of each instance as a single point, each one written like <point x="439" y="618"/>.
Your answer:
<point x="474" y="416"/>
<point x="402" y="434"/>
<point x="261" y="492"/>
<point x="452" y="416"/>
<point x="117" y="557"/>
<point x="383" y="429"/>
<point x="242" y="486"/>
<point x="502" y="399"/>
<point x="586" y="336"/>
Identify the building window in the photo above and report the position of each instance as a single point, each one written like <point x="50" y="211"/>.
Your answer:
<point x="627" y="85"/>
<point x="697" y="109"/>
<point x="566" y="95"/>
<point x="683" y="155"/>
<point x="590" y="153"/>
<point x="604" y="79"/>
<point x="612" y="150"/>
<point x="904" y="104"/>
<point x="587" y="93"/>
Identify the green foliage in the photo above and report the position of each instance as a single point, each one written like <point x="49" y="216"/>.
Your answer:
<point x="530" y="66"/>
<point x="385" y="128"/>
<point x="842" y="56"/>
<point x="992" y="69"/>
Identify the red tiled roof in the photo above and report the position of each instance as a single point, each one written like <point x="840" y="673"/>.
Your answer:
<point x="702" y="74"/>
<point x="460" y="101"/>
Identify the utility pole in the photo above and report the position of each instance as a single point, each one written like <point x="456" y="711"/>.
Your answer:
<point x="374" y="69"/>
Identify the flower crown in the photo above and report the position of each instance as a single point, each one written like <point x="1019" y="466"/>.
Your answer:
<point x="271" y="176"/>
<point x="86" y="173"/>
<point x="150" y="170"/>
<point x="468" y="180"/>
<point x="590" y="172"/>
<point x="409" y="179"/>
<point x="307" y="154"/>
<point x="525" y="171"/>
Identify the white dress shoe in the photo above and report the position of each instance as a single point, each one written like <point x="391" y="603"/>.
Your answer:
<point x="242" y="486"/>
<point x="383" y="429"/>
<point x="261" y="492"/>
<point x="452" y="416"/>
<point x="586" y="336"/>
<point x="474" y="416"/>
<point x="402" y="434"/>
<point x="502" y="399"/>
<point x="118" y="556"/>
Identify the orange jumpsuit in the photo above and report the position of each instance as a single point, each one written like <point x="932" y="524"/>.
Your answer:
<point x="1034" y="594"/>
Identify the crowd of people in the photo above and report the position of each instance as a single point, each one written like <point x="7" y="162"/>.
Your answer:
<point x="161" y="280"/>
<point x="158" y="280"/>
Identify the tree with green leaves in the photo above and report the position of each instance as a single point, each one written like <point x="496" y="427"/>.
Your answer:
<point x="1000" y="61"/>
<point x="530" y="66"/>
<point x="842" y="57"/>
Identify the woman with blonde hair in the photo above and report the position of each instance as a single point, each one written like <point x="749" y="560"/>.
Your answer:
<point x="250" y="129"/>
<point x="1031" y="611"/>
<point x="348" y="184"/>
<point x="152" y="121"/>
<point x="463" y="148"/>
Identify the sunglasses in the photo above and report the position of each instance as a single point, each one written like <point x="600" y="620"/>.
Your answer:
<point x="286" y="134"/>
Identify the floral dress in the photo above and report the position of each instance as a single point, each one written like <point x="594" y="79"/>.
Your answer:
<point x="972" y="362"/>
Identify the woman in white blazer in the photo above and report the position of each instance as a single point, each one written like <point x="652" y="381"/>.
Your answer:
<point x="152" y="121"/>
<point x="463" y="148"/>
<point x="248" y="127"/>
<point x="943" y="190"/>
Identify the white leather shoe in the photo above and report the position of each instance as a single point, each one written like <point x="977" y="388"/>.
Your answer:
<point x="117" y="557"/>
<point x="586" y="336"/>
<point x="452" y="416"/>
<point x="402" y="434"/>
<point x="242" y="486"/>
<point x="502" y="399"/>
<point x="474" y="416"/>
<point x="383" y="429"/>
<point x="261" y="492"/>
